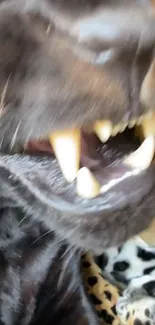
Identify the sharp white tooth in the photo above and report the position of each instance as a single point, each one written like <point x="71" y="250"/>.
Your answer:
<point x="66" y="145"/>
<point x="115" y="130"/>
<point x="140" y="120"/>
<point x="148" y="125"/>
<point x="87" y="186"/>
<point x="103" y="130"/>
<point x="142" y="157"/>
<point x="132" y="124"/>
<point x="123" y="126"/>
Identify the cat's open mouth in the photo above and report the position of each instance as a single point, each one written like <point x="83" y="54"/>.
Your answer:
<point x="101" y="156"/>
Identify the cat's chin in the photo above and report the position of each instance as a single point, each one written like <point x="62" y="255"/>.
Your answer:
<point x="36" y="183"/>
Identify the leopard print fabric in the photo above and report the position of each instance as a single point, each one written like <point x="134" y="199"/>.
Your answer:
<point x="104" y="295"/>
<point x="135" y="307"/>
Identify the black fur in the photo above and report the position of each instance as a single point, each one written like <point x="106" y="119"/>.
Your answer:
<point x="44" y="225"/>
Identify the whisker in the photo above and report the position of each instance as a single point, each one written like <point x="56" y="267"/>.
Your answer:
<point x="62" y="274"/>
<point x="72" y="231"/>
<point x="63" y="271"/>
<point x="27" y="140"/>
<point x="5" y="130"/>
<point x="46" y="233"/>
<point x="4" y="95"/>
<point x="22" y="220"/>
<point x="15" y="135"/>
<point x="66" y="251"/>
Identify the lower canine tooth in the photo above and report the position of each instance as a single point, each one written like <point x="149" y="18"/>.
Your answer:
<point x="87" y="186"/>
<point x="103" y="130"/>
<point x="66" y="145"/>
<point x="142" y="157"/>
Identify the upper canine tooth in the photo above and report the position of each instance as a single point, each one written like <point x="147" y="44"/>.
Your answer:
<point x="142" y="157"/>
<point x="103" y="129"/>
<point x="67" y="145"/>
<point x="148" y="125"/>
<point x="87" y="185"/>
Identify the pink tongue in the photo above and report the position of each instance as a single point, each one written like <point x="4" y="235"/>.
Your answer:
<point x="39" y="147"/>
<point x="98" y="155"/>
<point x="94" y="154"/>
<point x="105" y="161"/>
<point x="89" y="156"/>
